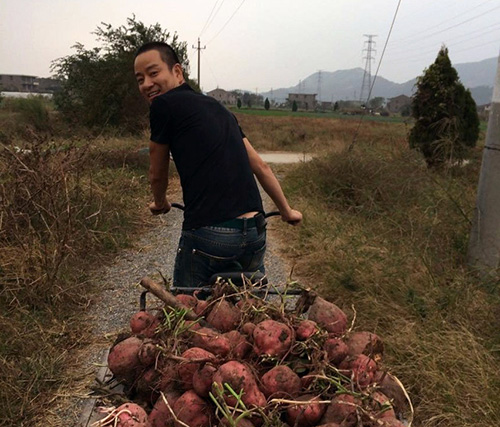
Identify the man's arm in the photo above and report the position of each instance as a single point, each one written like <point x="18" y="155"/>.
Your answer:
<point x="271" y="185"/>
<point x="159" y="160"/>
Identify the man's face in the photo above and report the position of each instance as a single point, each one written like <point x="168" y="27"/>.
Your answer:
<point x="153" y="75"/>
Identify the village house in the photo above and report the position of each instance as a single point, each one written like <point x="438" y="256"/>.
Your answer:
<point x="223" y="96"/>
<point x="304" y="101"/>
<point x="28" y="84"/>
<point x="396" y="104"/>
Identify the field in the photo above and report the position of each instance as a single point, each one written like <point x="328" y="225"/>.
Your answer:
<point x="383" y="237"/>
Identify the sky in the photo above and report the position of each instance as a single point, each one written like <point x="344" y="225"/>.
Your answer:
<point x="259" y="45"/>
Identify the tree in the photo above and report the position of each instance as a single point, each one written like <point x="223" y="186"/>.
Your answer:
<point x="376" y="102"/>
<point x="294" y="106"/>
<point x="266" y="104"/>
<point x="239" y="103"/>
<point x="98" y="85"/>
<point x="336" y="106"/>
<point x="447" y="124"/>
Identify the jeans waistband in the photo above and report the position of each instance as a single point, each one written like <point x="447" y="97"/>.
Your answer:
<point x="238" y="223"/>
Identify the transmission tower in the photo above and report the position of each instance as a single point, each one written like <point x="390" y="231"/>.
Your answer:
<point x="367" y="75"/>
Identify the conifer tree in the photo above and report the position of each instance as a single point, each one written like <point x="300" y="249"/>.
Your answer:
<point x="294" y="106"/>
<point x="266" y="104"/>
<point x="447" y="123"/>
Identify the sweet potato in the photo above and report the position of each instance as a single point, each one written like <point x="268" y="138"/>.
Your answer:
<point x="305" y="415"/>
<point x="245" y="422"/>
<point x="306" y="329"/>
<point x="160" y="415"/>
<point x="280" y="381"/>
<point x="365" y="343"/>
<point x="203" y="378"/>
<point x="201" y="307"/>
<point x="144" y="323"/>
<point x="381" y="405"/>
<point x="388" y="385"/>
<point x="330" y="425"/>
<point x="272" y="338"/>
<point x="342" y="410"/>
<point x="224" y="316"/>
<point x="192" y="410"/>
<point x="361" y="369"/>
<point x="188" y="300"/>
<point x="239" y="347"/>
<point x="336" y="350"/>
<point x="123" y="358"/>
<point x="129" y="415"/>
<point x="248" y="328"/>
<point x="391" y="422"/>
<point x="328" y="316"/>
<point x="211" y="340"/>
<point x="187" y="369"/>
<point x="148" y="352"/>
<point x="169" y="375"/>
<point x="146" y="385"/>
<point x="239" y="377"/>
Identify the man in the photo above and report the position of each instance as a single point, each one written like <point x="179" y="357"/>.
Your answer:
<point x="223" y="228"/>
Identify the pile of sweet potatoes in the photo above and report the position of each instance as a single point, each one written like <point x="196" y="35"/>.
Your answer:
<point x="247" y="362"/>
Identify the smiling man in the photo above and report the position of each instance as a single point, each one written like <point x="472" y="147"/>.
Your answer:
<point x="223" y="228"/>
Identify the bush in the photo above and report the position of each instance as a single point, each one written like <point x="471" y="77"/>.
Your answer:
<point x="447" y="124"/>
<point x="33" y="111"/>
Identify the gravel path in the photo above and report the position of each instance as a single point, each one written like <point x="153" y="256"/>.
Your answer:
<point x="154" y="252"/>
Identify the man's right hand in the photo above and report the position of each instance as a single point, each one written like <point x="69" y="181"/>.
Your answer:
<point x="293" y="217"/>
<point x="158" y="210"/>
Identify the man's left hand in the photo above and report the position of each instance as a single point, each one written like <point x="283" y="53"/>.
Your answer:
<point x="158" y="210"/>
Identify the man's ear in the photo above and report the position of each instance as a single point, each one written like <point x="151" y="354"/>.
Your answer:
<point x="178" y="72"/>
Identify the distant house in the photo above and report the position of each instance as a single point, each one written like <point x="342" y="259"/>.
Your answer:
<point x="395" y="105"/>
<point x="483" y="111"/>
<point x="28" y="84"/>
<point x="223" y="96"/>
<point x="304" y="101"/>
<point x="326" y="105"/>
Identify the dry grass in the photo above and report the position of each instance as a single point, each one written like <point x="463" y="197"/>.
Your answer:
<point x="383" y="234"/>
<point x="64" y="206"/>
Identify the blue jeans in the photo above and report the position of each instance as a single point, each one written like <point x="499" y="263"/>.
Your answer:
<point x="210" y="250"/>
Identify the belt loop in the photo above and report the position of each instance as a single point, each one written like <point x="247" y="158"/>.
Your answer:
<point x="245" y="225"/>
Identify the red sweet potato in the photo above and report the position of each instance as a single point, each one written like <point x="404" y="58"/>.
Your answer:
<point x="192" y="410"/>
<point x="146" y="386"/>
<point x="361" y="369"/>
<point x="342" y="410"/>
<point x="388" y="385"/>
<point x="239" y="377"/>
<point x="187" y="369"/>
<point x="328" y="316"/>
<point x="224" y="316"/>
<point x="148" y="352"/>
<point x="239" y="347"/>
<point x="144" y="323"/>
<point x="391" y="422"/>
<point x="305" y="330"/>
<point x="272" y="338"/>
<point x="280" y="381"/>
<point x="160" y="415"/>
<point x="365" y="343"/>
<point x="245" y="422"/>
<point x="248" y="329"/>
<point x="188" y="300"/>
<point x="203" y="378"/>
<point x="169" y="375"/>
<point x="130" y="415"/>
<point x="381" y="405"/>
<point x="307" y="414"/>
<point x="123" y="358"/>
<point x="211" y="340"/>
<point x="336" y="350"/>
<point x="202" y="307"/>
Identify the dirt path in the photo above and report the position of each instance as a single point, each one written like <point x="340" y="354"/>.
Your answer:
<point x="109" y="314"/>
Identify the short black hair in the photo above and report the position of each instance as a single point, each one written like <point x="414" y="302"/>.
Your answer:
<point x="167" y="53"/>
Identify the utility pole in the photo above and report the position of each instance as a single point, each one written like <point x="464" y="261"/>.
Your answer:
<point x="367" y="75"/>
<point x="199" y="49"/>
<point x="319" y="86"/>
<point x="484" y="243"/>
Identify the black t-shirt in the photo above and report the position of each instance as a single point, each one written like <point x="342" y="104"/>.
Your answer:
<point x="209" y="153"/>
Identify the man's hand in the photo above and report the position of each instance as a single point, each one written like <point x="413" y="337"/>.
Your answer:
<point x="158" y="210"/>
<point x="293" y="217"/>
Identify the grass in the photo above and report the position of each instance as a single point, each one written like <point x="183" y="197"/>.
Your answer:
<point x="386" y="236"/>
<point x="65" y="206"/>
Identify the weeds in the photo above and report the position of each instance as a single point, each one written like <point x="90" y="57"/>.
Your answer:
<point x="59" y="213"/>
<point x="384" y="234"/>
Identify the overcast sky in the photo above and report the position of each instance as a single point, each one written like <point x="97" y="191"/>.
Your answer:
<point x="261" y="44"/>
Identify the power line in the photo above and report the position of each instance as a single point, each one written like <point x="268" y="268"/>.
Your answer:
<point x="376" y="73"/>
<point x="442" y="22"/>
<point x="227" y="22"/>
<point x="209" y="16"/>
<point x="215" y="14"/>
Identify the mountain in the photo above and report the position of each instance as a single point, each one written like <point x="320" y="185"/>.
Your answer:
<point x="346" y="84"/>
